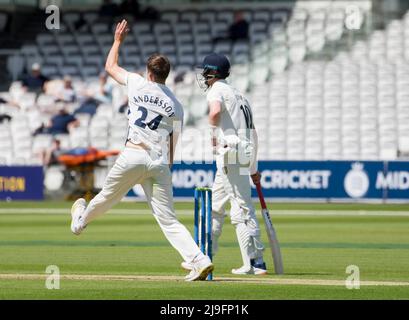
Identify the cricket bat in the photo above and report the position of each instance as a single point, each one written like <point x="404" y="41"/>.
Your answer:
<point x="272" y="237"/>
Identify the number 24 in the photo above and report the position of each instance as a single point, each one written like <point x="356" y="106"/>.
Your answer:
<point x="153" y="124"/>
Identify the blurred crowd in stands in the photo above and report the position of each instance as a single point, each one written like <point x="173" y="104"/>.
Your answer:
<point x="70" y="101"/>
<point x="67" y="102"/>
<point x="86" y="100"/>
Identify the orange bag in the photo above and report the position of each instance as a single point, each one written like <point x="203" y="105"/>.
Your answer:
<point x="92" y="155"/>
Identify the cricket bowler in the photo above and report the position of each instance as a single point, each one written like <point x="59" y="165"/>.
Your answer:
<point x="147" y="156"/>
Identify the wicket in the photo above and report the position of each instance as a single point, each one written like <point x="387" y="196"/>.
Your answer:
<point x="203" y="222"/>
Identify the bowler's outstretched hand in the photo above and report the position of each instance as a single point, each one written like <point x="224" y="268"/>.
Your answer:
<point x="121" y="31"/>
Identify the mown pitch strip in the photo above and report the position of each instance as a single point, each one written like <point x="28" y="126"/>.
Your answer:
<point x="260" y="280"/>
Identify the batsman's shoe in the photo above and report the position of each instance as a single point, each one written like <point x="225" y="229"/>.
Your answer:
<point x="244" y="270"/>
<point x="187" y="266"/>
<point x="201" y="269"/>
<point x="259" y="268"/>
<point x="259" y="271"/>
<point x="76" y="211"/>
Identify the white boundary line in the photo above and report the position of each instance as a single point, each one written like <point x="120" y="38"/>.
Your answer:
<point x="258" y="280"/>
<point x="137" y="211"/>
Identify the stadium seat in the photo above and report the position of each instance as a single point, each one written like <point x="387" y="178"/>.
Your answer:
<point x="171" y="16"/>
<point x="15" y="65"/>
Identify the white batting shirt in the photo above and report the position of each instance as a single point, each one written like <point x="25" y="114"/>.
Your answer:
<point x="236" y="118"/>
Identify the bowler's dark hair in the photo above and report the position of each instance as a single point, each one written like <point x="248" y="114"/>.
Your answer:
<point x="159" y="66"/>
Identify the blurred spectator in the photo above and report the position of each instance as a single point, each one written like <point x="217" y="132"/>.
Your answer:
<point x="60" y="123"/>
<point x="240" y="27"/>
<point x="67" y="93"/>
<point x="89" y="106"/>
<point x="130" y="7"/>
<point x="50" y="156"/>
<point x="108" y="9"/>
<point x="105" y="89"/>
<point x="4" y="117"/>
<point x="238" y="30"/>
<point x="92" y="99"/>
<point x="35" y="81"/>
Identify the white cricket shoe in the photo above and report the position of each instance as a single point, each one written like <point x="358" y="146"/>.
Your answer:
<point x="249" y="270"/>
<point x="259" y="271"/>
<point x="76" y="211"/>
<point x="201" y="269"/>
<point x="187" y="266"/>
<point x="244" y="270"/>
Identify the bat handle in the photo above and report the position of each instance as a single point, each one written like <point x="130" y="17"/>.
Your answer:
<point x="260" y="196"/>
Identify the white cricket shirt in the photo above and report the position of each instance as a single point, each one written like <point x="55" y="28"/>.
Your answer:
<point x="153" y="112"/>
<point x="236" y="118"/>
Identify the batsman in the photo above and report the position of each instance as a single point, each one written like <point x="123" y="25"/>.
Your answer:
<point x="234" y="140"/>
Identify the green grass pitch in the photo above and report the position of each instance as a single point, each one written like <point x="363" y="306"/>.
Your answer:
<point x="124" y="255"/>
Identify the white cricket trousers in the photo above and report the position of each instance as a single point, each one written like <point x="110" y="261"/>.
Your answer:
<point x="136" y="166"/>
<point x="232" y="184"/>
